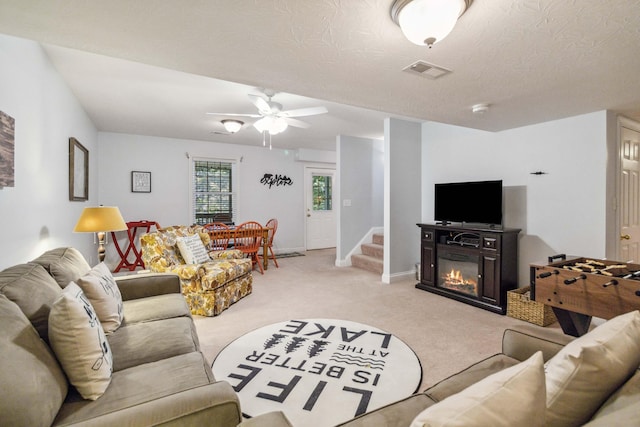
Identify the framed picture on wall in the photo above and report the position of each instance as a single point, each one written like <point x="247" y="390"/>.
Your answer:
<point x="78" y="171"/>
<point x="140" y="182"/>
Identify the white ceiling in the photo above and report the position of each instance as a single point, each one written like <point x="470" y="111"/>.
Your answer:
<point x="156" y="67"/>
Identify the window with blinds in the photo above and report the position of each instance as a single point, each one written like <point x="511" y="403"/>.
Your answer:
<point x="214" y="192"/>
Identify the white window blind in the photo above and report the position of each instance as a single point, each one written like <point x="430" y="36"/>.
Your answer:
<point x="214" y="191"/>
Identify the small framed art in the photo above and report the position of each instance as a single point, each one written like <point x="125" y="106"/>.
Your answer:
<point x="140" y="182"/>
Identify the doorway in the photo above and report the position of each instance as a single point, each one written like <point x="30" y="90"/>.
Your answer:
<point x="321" y="225"/>
<point x="629" y="192"/>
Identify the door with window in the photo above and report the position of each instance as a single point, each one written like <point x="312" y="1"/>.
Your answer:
<point x="321" y="223"/>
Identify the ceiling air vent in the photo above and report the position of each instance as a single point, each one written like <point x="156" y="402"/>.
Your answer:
<point x="425" y="69"/>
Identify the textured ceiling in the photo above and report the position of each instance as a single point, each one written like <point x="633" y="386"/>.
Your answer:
<point x="531" y="60"/>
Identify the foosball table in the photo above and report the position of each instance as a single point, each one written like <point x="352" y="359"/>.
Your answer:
<point x="579" y="288"/>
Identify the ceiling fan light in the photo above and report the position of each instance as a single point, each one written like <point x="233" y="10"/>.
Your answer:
<point x="278" y="125"/>
<point x="273" y="125"/>
<point x="232" y="126"/>
<point x="425" y="22"/>
<point x="263" y="124"/>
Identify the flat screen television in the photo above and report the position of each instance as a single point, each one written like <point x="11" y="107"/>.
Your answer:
<point x="478" y="202"/>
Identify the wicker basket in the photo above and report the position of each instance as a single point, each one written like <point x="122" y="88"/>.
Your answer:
<point x="521" y="307"/>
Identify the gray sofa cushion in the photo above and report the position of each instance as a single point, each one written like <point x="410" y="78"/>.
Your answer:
<point x="622" y="408"/>
<point x="158" y="307"/>
<point x="33" y="385"/>
<point x="139" y="343"/>
<point x="142" y="285"/>
<point x="140" y="385"/>
<point x="399" y="413"/>
<point x="33" y="290"/>
<point x="64" y="265"/>
<point x="471" y="375"/>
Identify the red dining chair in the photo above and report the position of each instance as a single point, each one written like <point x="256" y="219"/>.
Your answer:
<point x="220" y="235"/>
<point x="248" y="238"/>
<point x="272" y="225"/>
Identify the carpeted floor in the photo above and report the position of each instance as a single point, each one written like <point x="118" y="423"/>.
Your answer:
<point x="319" y="372"/>
<point x="446" y="335"/>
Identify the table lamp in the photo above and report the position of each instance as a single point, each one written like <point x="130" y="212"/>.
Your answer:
<point x="100" y="220"/>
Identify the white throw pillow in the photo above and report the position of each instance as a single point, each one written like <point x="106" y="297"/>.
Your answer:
<point x="79" y="342"/>
<point x="192" y="249"/>
<point x="103" y="292"/>
<point x="514" y="396"/>
<point x="582" y="375"/>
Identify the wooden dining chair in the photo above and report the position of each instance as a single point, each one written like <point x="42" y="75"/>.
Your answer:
<point x="220" y="234"/>
<point x="248" y="238"/>
<point x="272" y="225"/>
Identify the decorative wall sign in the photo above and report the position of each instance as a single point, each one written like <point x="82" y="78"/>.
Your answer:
<point x="7" y="150"/>
<point x="277" y="180"/>
<point x="78" y="171"/>
<point x="140" y="182"/>
<point x="319" y="372"/>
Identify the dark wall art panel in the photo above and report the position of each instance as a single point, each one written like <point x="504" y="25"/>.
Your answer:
<point x="7" y="150"/>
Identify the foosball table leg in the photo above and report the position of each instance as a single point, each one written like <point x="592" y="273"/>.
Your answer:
<point x="574" y="324"/>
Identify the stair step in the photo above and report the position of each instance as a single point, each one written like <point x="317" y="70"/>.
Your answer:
<point x="378" y="239"/>
<point x="373" y="250"/>
<point x="366" y="262"/>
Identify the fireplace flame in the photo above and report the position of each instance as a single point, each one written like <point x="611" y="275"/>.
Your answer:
<point x="455" y="278"/>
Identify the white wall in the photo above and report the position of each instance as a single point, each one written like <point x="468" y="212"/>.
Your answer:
<point x="169" y="204"/>
<point x="36" y="213"/>
<point x="563" y="211"/>
<point x="402" y="190"/>
<point x="360" y="177"/>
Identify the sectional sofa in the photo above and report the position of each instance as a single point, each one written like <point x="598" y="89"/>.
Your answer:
<point x="154" y="371"/>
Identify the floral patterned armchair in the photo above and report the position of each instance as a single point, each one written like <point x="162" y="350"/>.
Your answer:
<point x="210" y="287"/>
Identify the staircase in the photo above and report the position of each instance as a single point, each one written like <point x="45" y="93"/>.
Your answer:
<point x="372" y="254"/>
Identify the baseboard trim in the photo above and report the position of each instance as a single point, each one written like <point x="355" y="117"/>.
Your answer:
<point x="397" y="277"/>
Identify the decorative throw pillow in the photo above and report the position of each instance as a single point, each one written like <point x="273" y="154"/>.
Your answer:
<point x="582" y="375"/>
<point x="514" y="396"/>
<point x="103" y="292"/>
<point x="192" y="249"/>
<point x="79" y="342"/>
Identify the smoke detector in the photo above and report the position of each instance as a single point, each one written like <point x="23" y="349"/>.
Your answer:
<point x="480" y="108"/>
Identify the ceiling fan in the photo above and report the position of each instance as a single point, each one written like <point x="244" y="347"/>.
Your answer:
<point x="272" y="118"/>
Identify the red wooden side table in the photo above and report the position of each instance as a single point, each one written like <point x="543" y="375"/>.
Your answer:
<point x="132" y="231"/>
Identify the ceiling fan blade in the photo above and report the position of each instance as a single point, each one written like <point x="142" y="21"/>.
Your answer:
<point x="260" y="103"/>
<point x="296" y="123"/>
<point x="300" y="112"/>
<point x="234" y="115"/>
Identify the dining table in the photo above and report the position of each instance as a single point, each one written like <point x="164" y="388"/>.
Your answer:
<point x="262" y="233"/>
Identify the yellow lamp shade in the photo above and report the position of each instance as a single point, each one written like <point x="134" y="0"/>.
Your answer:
<point x="101" y="218"/>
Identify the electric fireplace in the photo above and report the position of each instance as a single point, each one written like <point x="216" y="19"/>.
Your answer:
<point x="474" y="265"/>
<point x="458" y="271"/>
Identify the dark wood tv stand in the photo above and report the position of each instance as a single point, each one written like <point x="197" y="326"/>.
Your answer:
<point x="495" y="250"/>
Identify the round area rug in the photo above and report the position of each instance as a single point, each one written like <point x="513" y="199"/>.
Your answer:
<point x="319" y="372"/>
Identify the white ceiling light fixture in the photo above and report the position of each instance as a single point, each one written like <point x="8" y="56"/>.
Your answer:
<point x="480" y="108"/>
<point x="425" y="22"/>
<point x="271" y="124"/>
<point x="232" y="126"/>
